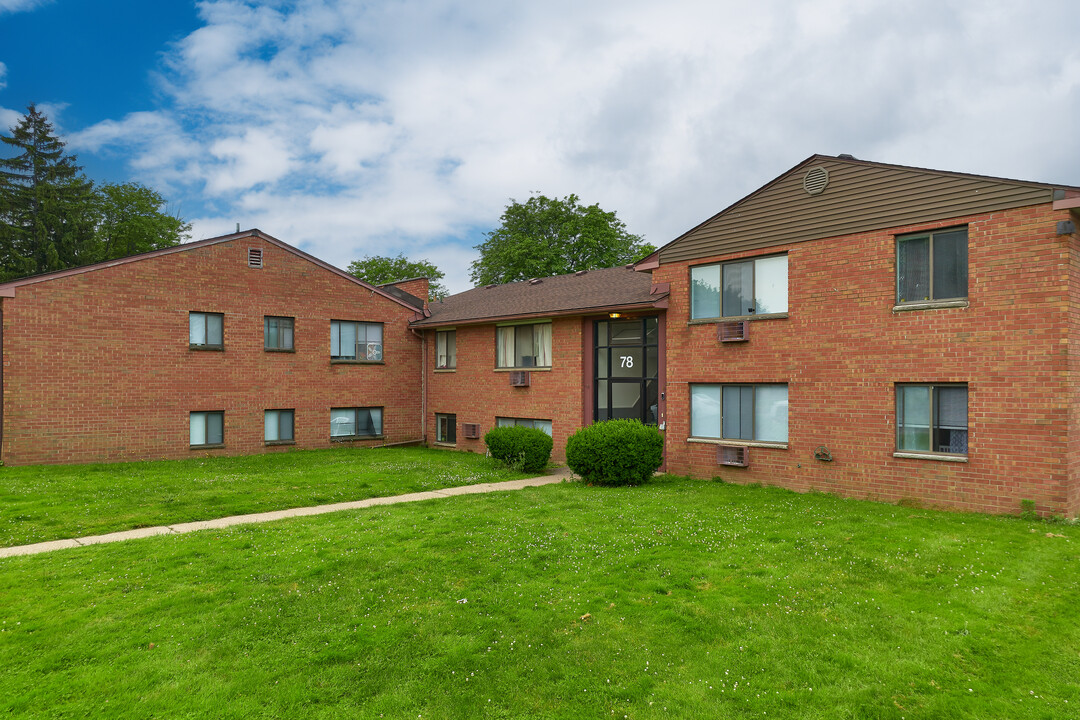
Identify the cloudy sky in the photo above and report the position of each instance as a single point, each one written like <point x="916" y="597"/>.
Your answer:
<point x="352" y="128"/>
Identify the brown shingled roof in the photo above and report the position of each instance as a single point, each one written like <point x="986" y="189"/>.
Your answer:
<point x="577" y="293"/>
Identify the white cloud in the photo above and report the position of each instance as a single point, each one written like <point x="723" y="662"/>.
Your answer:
<point x="14" y="6"/>
<point x="354" y="129"/>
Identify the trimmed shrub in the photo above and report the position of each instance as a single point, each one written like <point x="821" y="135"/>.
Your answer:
<point x="521" y="448"/>
<point x="615" y="452"/>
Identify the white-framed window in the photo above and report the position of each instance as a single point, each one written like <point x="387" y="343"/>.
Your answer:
<point x="932" y="266"/>
<point x="357" y="341"/>
<point x="757" y="286"/>
<point x="754" y="413"/>
<point x="544" y="425"/>
<point x="523" y="346"/>
<point x="445" y="349"/>
<point x="356" y="422"/>
<point x="932" y="418"/>
<point x="278" y="425"/>
<point x="207" y="428"/>
<point x="445" y="428"/>
<point x="277" y="333"/>
<point x="206" y="330"/>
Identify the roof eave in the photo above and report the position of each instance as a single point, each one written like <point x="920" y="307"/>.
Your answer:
<point x="570" y="312"/>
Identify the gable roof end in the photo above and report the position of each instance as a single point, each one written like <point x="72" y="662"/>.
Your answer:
<point x="826" y="196"/>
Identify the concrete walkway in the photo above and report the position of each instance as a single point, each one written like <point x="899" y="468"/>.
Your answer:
<point x="560" y="475"/>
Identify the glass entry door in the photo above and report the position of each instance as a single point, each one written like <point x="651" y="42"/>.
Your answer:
<point x="627" y="369"/>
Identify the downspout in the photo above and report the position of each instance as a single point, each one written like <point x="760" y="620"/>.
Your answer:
<point x="423" y="382"/>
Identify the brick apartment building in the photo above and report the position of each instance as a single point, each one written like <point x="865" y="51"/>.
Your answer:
<point x="872" y="330"/>
<point x="238" y="344"/>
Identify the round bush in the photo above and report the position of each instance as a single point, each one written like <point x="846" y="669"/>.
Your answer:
<point x="615" y="452"/>
<point x="519" y="447"/>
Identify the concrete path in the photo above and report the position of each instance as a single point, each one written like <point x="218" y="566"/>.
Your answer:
<point x="560" y="475"/>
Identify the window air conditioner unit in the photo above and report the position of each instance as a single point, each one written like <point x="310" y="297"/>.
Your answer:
<point x="733" y="455"/>
<point x="519" y="378"/>
<point x="734" y="331"/>
<point x="470" y="430"/>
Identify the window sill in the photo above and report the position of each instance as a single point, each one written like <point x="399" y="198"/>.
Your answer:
<point x="446" y="370"/>
<point x="279" y="350"/>
<point x="931" y="456"/>
<point x="519" y="369"/>
<point x="737" y="443"/>
<point x="214" y="446"/>
<point x="929" y="305"/>
<point x="713" y="321"/>
<point x="357" y="362"/>
<point x="272" y="443"/>
<point x="211" y="348"/>
<point x="355" y="438"/>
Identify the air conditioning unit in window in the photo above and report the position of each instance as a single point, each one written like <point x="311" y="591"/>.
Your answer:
<point x="733" y="455"/>
<point x="470" y="430"/>
<point x="733" y="331"/>
<point x="519" y="378"/>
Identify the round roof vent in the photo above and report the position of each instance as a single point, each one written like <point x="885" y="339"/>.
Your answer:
<point x="816" y="180"/>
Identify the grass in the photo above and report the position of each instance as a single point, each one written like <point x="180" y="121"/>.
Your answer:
<point x="50" y="502"/>
<point x="677" y="599"/>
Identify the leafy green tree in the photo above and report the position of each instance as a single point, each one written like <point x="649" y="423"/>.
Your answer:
<point x="131" y="220"/>
<point x="46" y="204"/>
<point x="545" y="236"/>
<point x="382" y="269"/>
<point x="53" y="217"/>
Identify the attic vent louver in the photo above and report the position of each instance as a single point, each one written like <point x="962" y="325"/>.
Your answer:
<point x="255" y="257"/>
<point x="817" y="178"/>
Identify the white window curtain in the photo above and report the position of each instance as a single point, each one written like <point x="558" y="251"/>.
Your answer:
<point x="771" y="285"/>
<point x="542" y="344"/>
<point x="771" y="413"/>
<point x="504" y="347"/>
<point x="196" y="332"/>
<point x="705" y="410"/>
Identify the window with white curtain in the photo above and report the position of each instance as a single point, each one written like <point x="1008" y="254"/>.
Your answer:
<point x="356" y="341"/>
<point x="206" y="330"/>
<point x="207" y="428"/>
<point x="755" y="413"/>
<point x="523" y="346"/>
<point x="356" y="422"/>
<point x="932" y="418"/>
<point x="445" y="349"/>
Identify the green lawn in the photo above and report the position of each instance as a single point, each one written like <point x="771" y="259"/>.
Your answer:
<point x="50" y="502"/>
<point x="678" y="599"/>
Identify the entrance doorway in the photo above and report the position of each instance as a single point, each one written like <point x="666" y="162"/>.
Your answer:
<point x="627" y="369"/>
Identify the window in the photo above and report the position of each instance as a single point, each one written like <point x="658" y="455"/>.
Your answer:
<point x="446" y="428"/>
<point x="544" y="425"/>
<point x="358" y="341"/>
<point x="277" y="333"/>
<point x="932" y="418"/>
<point x="278" y="426"/>
<point x="736" y="289"/>
<point x="445" y="349"/>
<point x="207" y="428"/>
<point x="932" y="266"/>
<point x="756" y="413"/>
<point x="206" y="330"/>
<point x="523" y="346"/>
<point x="355" y="422"/>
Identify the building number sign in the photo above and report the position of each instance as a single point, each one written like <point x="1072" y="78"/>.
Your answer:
<point x="627" y="361"/>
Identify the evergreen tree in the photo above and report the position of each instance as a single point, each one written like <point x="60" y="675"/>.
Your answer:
<point x="46" y="204"/>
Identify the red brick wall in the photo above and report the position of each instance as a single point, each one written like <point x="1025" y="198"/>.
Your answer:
<point x="842" y="348"/>
<point x="478" y="393"/>
<point x="97" y="365"/>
